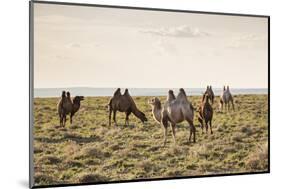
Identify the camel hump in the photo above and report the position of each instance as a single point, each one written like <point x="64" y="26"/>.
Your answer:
<point x="171" y="96"/>
<point x="126" y="92"/>
<point x="63" y="94"/>
<point x="182" y="95"/>
<point x="117" y="92"/>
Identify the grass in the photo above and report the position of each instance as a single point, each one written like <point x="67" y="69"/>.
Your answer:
<point x="91" y="151"/>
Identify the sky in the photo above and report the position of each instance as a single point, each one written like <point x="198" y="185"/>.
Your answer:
<point x="77" y="46"/>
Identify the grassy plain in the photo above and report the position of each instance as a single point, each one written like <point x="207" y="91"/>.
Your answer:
<point x="91" y="151"/>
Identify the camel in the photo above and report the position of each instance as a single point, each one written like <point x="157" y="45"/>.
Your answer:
<point x="176" y="110"/>
<point x="205" y="113"/>
<point x="68" y="106"/>
<point x="156" y="109"/>
<point x="124" y="103"/>
<point x="226" y="98"/>
<point x="158" y="112"/>
<point x="210" y="93"/>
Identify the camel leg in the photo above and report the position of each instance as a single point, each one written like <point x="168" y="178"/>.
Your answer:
<point x="64" y="119"/>
<point x="114" y="117"/>
<point x="127" y="118"/>
<point x="228" y="106"/>
<point x="210" y="123"/>
<point x="221" y="106"/>
<point x="61" y="119"/>
<point x="201" y="123"/>
<point x="174" y="132"/>
<point x="192" y="130"/>
<point x="71" y="115"/>
<point x="109" y="116"/>
<point x="232" y="105"/>
<point x="206" y="125"/>
<point x="164" y="122"/>
<point x="165" y="136"/>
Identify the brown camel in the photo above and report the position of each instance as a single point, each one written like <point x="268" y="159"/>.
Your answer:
<point x="177" y="110"/>
<point x="124" y="103"/>
<point x="205" y="113"/>
<point x="226" y="98"/>
<point x="210" y="93"/>
<point x="68" y="106"/>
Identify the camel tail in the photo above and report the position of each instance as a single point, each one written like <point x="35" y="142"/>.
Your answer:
<point x="109" y="105"/>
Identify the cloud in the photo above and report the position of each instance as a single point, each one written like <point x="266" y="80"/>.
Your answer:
<point x="179" y="31"/>
<point x="73" y="45"/>
<point x="163" y="47"/>
<point x="247" y="41"/>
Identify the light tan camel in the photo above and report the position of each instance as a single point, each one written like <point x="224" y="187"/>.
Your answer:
<point x="158" y="112"/>
<point x="156" y="109"/>
<point x="124" y="103"/>
<point x="205" y="113"/>
<point x="177" y="110"/>
<point x="226" y="98"/>
<point x="68" y="106"/>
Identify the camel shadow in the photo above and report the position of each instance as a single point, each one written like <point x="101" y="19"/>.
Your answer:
<point x="67" y="137"/>
<point x="80" y="139"/>
<point x="126" y="126"/>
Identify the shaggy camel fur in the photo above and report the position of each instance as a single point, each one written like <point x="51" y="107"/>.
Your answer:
<point x="124" y="103"/>
<point x="67" y="106"/>
<point x="177" y="110"/>
<point x="205" y="113"/>
<point x="210" y="93"/>
<point x="226" y="98"/>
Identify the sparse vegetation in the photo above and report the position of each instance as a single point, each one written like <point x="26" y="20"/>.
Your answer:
<point x="90" y="150"/>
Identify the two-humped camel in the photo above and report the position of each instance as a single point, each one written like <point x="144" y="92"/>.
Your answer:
<point x="68" y="106"/>
<point x="124" y="103"/>
<point x="226" y="98"/>
<point x="210" y="93"/>
<point x="175" y="110"/>
<point x="205" y="113"/>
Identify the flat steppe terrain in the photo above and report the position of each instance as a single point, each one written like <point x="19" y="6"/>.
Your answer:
<point x="90" y="150"/>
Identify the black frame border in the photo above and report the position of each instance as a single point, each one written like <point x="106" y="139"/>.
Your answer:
<point x="31" y="90"/>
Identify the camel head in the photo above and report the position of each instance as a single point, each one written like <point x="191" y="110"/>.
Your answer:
<point x="155" y="102"/>
<point x="78" y="99"/>
<point x="143" y="117"/>
<point x="227" y="88"/>
<point x="223" y="88"/>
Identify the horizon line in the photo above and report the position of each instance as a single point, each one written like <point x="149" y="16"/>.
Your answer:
<point x="150" y="87"/>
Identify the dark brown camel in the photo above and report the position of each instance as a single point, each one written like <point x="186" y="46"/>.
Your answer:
<point x="211" y="94"/>
<point x="68" y="106"/>
<point x="205" y="113"/>
<point x="124" y="103"/>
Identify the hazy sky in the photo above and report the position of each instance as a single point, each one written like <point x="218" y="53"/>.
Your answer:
<point x="103" y="47"/>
